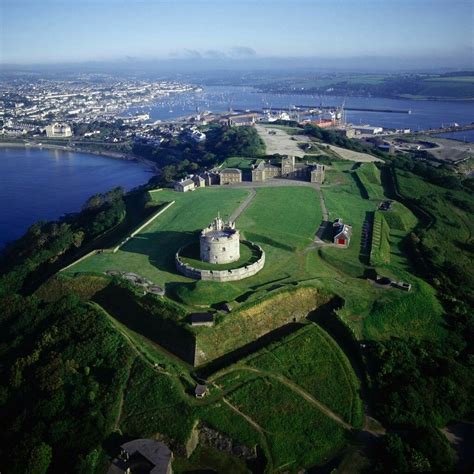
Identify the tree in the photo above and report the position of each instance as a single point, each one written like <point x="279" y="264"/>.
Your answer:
<point x="39" y="459"/>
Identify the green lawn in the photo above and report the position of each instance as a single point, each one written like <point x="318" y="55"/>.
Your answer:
<point x="283" y="221"/>
<point x="151" y="253"/>
<point x="269" y="221"/>
<point x="244" y="164"/>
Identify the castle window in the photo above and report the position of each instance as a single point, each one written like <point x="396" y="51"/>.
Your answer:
<point x="223" y="249"/>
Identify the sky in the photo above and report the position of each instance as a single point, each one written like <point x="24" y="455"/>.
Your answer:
<point x="58" y="31"/>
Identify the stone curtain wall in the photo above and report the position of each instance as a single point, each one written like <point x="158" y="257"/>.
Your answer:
<point x="222" y="275"/>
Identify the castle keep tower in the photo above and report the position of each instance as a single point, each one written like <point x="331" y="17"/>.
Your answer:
<point x="220" y="242"/>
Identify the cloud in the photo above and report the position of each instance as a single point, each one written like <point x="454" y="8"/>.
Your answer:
<point x="242" y="52"/>
<point x="214" y="54"/>
<point x="236" y="52"/>
<point x="192" y="54"/>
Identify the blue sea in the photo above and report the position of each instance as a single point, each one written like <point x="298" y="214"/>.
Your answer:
<point x="461" y="135"/>
<point x="42" y="184"/>
<point x="424" y="114"/>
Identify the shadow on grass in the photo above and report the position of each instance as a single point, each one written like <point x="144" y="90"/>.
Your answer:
<point x="234" y="356"/>
<point x="360" y="186"/>
<point x="325" y="231"/>
<point x="160" y="247"/>
<point x="325" y="316"/>
<point x="154" y="322"/>
<point x="366" y="238"/>
<point x="268" y="241"/>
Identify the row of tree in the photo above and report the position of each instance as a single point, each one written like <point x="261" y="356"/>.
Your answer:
<point x="46" y="242"/>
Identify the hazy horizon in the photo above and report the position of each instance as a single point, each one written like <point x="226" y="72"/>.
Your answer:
<point x="370" y="34"/>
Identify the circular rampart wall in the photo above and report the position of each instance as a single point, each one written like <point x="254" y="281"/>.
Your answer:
<point x="222" y="275"/>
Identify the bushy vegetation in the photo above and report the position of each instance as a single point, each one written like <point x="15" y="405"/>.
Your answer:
<point x="179" y="156"/>
<point x="152" y="404"/>
<point x="423" y="450"/>
<point x="239" y="141"/>
<point x="421" y="384"/>
<point x="46" y="242"/>
<point x="63" y="369"/>
<point x="334" y="138"/>
<point x="380" y="247"/>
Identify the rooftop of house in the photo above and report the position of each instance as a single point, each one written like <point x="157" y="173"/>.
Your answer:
<point x="185" y="182"/>
<point x="151" y="455"/>
<point x="231" y="170"/>
<point x="201" y="318"/>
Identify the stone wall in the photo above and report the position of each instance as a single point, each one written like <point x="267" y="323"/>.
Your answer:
<point x="222" y="275"/>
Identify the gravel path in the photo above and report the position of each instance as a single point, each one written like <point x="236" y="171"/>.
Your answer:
<point x="235" y="215"/>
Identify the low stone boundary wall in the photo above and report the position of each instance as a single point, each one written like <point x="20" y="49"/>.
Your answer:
<point x="117" y="248"/>
<point x="222" y="275"/>
<point x="136" y="231"/>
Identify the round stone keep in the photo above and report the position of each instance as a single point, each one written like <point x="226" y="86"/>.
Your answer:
<point x="220" y="242"/>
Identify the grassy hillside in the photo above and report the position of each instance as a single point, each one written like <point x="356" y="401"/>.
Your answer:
<point x="312" y="359"/>
<point x="369" y="176"/>
<point x="380" y="247"/>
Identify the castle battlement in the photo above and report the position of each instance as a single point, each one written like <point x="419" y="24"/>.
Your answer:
<point x="220" y="242"/>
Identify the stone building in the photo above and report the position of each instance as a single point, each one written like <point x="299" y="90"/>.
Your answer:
<point x="184" y="185"/>
<point x="143" y="455"/>
<point x="317" y="174"/>
<point x="289" y="168"/>
<point x="210" y="178"/>
<point x="264" y="171"/>
<point x="199" y="181"/>
<point x="58" y="130"/>
<point x="220" y="242"/>
<point x="230" y="176"/>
